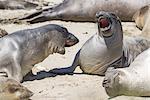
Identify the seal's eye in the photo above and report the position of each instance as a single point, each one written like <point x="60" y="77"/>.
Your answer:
<point x="103" y="22"/>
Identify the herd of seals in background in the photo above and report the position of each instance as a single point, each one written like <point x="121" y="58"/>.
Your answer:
<point x="112" y="54"/>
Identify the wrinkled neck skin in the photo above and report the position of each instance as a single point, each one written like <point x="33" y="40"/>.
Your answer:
<point x="114" y="42"/>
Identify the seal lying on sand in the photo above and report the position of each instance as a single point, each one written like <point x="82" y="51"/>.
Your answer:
<point x="20" y="50"/>
<point x="12" y="90"/>
<point x="85" y="10"/>
<point x="131" y="81"/>
<point x="142" y="20"/>
<point x="17" y="4"/>
<point x="106" y="48"/>
<point x="3" y="33"/>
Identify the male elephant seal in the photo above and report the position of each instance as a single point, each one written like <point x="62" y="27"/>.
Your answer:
<point x="142" y="20"/>
<point x="131" y="81"/>
<point x="12" y="90"/>
<point x="3" y="33"/>
<point x="106" y="48"/>
<point x="20" y="50"/>
<point x="17" y="4"/>
<point x="85" y="10"/>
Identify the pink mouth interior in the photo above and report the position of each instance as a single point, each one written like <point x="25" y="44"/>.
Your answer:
<point x="104" y="22"/>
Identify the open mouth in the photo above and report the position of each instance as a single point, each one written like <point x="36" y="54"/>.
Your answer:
<point x="104" y="23"/>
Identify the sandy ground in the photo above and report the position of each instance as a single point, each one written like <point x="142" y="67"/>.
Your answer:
<point x="47" y="86"/>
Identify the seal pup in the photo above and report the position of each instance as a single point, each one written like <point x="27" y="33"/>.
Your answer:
<point x="142" y="20"/>
<point x="85" y="10"/>
<point x="13" y="90"/>
<point x="131" y="81"/>
<point x="107" y="48"/>
<point x="21" y="50"/>
<point x="3" y="33"/>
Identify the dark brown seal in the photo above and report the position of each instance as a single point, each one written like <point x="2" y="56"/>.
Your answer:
<point x="85" y="10"/>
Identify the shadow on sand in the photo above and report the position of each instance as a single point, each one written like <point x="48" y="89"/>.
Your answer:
<point x="51" y="73"/>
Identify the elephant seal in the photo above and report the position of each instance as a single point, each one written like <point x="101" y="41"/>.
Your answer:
<point x="21" y="50"/>
<point x="17" y="4"/>
<point x="131" y="81"/>
<point x="107" y="48"/>
<point x="85" y="10"/>
<point x="3" y="33"/>
<point x="142" y="20"/>
<point x="12" y="90"/>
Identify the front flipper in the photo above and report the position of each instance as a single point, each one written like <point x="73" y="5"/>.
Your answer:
<point x="68" y="70"/>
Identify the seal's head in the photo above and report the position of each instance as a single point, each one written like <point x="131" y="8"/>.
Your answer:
<point x="140" y="16"/>
<point x="60" y="38"/>
<point x="70" y="39"/>
<point x="12" y="90"/>
<point x="108" y="24"/>
<point x="113" y="82"/>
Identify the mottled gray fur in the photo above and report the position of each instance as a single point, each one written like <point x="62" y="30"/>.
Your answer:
<point x="20" y="50"/>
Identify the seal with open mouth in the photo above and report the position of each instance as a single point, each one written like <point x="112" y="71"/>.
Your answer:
<point x="21" y="50"/>
<point x="107" y="48"/>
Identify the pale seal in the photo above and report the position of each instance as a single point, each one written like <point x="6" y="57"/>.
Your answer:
<point x="131" y="81"/>
<point x="20" y="50"/>
<point x="13" y="90"/>
<point x="142" y="20"/>
<point x="85" y="10"/>
<point x="107" y="48"/>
